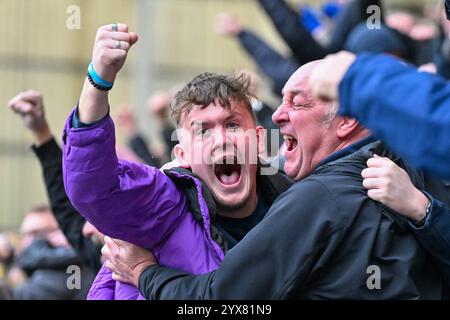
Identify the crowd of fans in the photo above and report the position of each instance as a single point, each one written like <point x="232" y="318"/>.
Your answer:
<point x="361" y="170"/>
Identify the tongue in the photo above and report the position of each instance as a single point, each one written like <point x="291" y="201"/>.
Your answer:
<point x="289" y="145"/>
<point x="231" y="179"/>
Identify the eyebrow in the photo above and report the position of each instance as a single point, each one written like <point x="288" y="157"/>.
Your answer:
<point x="303" y="93"/>
<point x="294" y="92"/>
<point x="231" y="116"/>
<point x="197" y="123"/>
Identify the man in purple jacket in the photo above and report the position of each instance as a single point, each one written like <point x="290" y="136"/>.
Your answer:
<point x="188" y="223"/>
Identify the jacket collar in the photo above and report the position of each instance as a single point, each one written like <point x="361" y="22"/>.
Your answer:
<point x="348" y="150"/>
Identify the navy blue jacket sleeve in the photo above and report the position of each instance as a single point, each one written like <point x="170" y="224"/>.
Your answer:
<point x="139" y="146"/>
<point x="407" y="109"/>
<point x="434" y="236"/>
<point x="273" y="64"/>
<point x="69" y="220"/>
<point x="297" y="37"/>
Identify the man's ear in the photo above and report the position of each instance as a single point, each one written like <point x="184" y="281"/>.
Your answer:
<point x="346" y="127"/>
<point x="181" y="155"/>
<point x="261" y="137"/>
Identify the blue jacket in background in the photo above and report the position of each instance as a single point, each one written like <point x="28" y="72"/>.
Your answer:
<point x="407" y="109"/>
<point x="434" y="235"/>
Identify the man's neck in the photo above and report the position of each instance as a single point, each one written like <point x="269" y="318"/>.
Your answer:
<point x="244" y="211"/>
<point x="358" y="136"/>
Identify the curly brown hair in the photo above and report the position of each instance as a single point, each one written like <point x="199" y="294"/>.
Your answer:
<point x="207" y="88"/>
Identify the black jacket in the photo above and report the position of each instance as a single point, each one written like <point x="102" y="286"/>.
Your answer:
<point x="69" y="220"/>
<point x="48" y="276"/>
<point x="321" y="239"/>
<point x="303" y="46"/>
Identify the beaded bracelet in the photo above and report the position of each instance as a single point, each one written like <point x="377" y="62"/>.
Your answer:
<point x="96" y="80"/>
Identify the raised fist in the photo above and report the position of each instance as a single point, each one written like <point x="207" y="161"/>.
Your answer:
<point x="30" y="106"/>
<point x="111" y="48"/>
<point x="328" y="74"/>
<point x="227" y="24"/>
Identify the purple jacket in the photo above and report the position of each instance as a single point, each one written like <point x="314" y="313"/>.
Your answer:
<point x="136" y="203"/>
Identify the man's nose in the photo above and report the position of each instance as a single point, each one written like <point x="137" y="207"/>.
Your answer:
<point x="219" y="137"/>
<point x="280" y="116"/>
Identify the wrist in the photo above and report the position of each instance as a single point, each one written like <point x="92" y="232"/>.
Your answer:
<point x="93" y="105"/>
<point x="104" y="73"/>
<point x="236" y="32"/>
<point x="138" y="270"/>
<point x="42" y="135"/>
<point x="419" y="208"/>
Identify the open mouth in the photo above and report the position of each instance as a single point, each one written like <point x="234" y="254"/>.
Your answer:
<point x="228" y="172"/>
<point x="290" y="141"/>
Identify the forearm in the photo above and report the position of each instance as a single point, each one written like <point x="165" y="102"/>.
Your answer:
<point x="273" y="64"/>
<point x="42" y="136"/>
<point x="93" y="105"/>
<point x="69" y="220"/>
<point x="301" y="42"/>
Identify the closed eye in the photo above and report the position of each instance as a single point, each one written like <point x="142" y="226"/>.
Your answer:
<point x="302" y="106"/>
